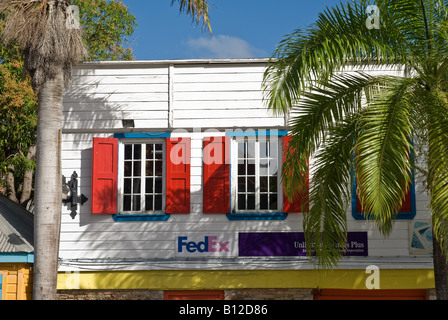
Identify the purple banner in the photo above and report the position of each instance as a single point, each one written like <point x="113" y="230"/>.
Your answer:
<point x="292" y="244"/>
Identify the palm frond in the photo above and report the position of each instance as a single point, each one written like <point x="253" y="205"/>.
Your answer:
<point x="437" y="137"/>
<point x="338" y="39"/>
<point x="325" y="224"/>
<point x="383" y="151"/>
<point x="321" y="109"/>
<point x="198" y="9"/>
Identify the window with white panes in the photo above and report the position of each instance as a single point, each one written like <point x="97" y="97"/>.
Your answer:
<point x="256" y="175"/>
<point x="142" y="178"/>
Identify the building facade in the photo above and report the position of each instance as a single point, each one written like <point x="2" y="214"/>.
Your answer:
<point x="16" y="251"/>
<point x="178" y="164"/>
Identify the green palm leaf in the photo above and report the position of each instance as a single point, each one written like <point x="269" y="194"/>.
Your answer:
<point x="338" y="39"/>
<point x="325" y="224"/>
<point x="383" y="150"/>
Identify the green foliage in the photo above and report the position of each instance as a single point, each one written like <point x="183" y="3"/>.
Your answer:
<point x="376" y="127"/>
<point x="108" y="26"/>
<point x="18" y="114"/>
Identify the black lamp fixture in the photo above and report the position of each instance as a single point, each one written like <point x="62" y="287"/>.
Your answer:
<point x="70" y="194"/>
<point x="128" y="123"/>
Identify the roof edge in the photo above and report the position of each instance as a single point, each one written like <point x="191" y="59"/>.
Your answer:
<point x="174" y="62"/>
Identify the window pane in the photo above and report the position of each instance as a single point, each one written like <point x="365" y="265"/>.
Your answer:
<point x="149" y="185"/>
<point x="158" y="187"/>
<point x="273" y="149"/>
<point x="264" y="202"/>
<point x="149" y="203"/>
<point x="273" y="184"/>
<point x="128" y="169"/>
<point x="127" y="186"/>
<point x="149" y="168"/>
<point x="158" y="203"/>
<point x="241" y="201"/>
<point x="251" y="202"/>
<point x="241" y="168"/>
<point x="241" y="150"/>
<point x="264" y="167"/>
<point x="128" y="152"/>
<point x="250" y="184"/>
<point x="137" y="151"/>
<point x="251" y="150"/>
<point x="127" y="203"/>
<point x="264" y="150"/>
<point x="136" y="186"/>
<point x="136" y="203"/>
<point x="273" y="167"/>
<point x="159" y="151"/>
<point x="137" y="168"/>
<point x="149" y="151"/>
<point x="251" y="167"/>
<point x="273" y="201"/>
<point x="264" y="184"/>
<point x="158" y="169"/>
<point x="241" y="184"/>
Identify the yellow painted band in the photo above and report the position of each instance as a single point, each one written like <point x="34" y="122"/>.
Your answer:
<point x="240" y="279"/>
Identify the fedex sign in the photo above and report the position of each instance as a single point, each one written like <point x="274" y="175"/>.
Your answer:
<point x="210" y="244"/>
<point x="199" y="245"/>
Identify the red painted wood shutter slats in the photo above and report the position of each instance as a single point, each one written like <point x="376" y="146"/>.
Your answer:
<point x="104" y="176"/>
<point x="178" y="175"/>
<point x="296" y="205"/>
<point x="216" y="171"/>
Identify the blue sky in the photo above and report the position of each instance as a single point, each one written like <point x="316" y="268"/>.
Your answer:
<point x="241" y="28"/>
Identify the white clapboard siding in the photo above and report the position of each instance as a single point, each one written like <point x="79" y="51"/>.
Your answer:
<point x="219" y="96"/>
<point x="197" y="95"/>
<point x="174" y="96"/>
<point x="116" y="69"/>
<point x="97" y="80"/>
<point x="100" y="97"/>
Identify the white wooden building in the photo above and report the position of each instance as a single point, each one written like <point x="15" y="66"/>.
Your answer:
<point x="180" y="163"/>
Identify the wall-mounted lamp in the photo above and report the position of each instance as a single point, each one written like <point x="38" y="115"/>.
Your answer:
<point x="128" y="123"/>
<point x="70" y="194"/>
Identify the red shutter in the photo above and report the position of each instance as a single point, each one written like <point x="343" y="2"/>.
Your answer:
<point x="216" y="166"/>
<point x="296" y="204"/>
<point x="104" y="175"/>
<point x="178" y="175"/>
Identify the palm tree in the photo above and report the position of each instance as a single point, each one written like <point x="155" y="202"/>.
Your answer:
<point x="51" y="47"/>
<point x="379" y="129"/>
<point x="50" y="50"/>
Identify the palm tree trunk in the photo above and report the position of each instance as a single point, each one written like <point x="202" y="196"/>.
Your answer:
<point x="47" y="217"/>
<point x="28" y="179"/>
<point x="440" y="271"/>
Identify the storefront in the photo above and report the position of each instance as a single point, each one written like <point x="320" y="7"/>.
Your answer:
<point x="181" y="164"/>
